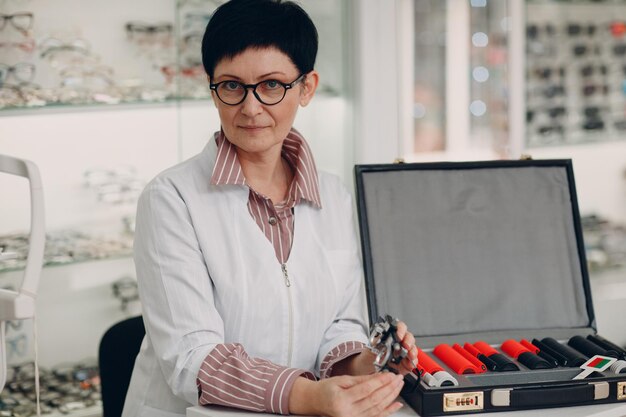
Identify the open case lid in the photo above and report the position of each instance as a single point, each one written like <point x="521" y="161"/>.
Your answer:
<point x="486" y="250"/>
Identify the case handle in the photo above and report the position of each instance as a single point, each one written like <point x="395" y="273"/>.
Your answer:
<point x="546" y="396"/>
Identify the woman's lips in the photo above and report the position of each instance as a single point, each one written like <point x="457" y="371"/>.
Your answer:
<point x="253" y="128"/>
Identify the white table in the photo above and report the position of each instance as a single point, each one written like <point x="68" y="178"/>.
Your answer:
<point x="603" y="410"/>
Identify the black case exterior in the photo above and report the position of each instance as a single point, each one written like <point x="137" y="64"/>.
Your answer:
<point x="387" y="191"/>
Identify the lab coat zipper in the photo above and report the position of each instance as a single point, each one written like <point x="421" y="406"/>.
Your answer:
<point x="288" y="285"/>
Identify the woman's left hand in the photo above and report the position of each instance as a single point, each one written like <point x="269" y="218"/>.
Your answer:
<point x="408" y="342"/>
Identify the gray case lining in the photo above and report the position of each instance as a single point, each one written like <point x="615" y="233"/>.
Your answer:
<point x="489" y="253"/>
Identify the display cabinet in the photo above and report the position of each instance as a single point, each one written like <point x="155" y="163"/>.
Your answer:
<point x="576" y="72"/>
<point x="519" y="75"/>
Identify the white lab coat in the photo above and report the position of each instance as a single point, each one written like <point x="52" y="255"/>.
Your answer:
<point x="208" y="275"/>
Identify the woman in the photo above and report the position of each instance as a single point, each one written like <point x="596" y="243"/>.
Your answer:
<point x="246" y="256"/>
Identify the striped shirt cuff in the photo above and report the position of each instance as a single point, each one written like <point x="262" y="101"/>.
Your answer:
<point x="339" y="353"/>
<point x="229" y="377"/>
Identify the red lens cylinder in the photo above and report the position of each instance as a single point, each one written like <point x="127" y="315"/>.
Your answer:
<point x="473" y="359"/>
<point x="534" y="349"/>
<point x="484" y="348"/>
<point x="454" y="360"/>
<point x="513" y="348"/>
<point x="427" y="363"/>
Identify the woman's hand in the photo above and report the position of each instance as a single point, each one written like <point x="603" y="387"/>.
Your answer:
<point x="347" y="396"/>
<point x="363" y="363"/>
<point x="408" y="342"/>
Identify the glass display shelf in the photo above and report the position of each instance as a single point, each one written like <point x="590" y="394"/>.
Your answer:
<point x="64" y="248"/>
<point x="575" y="72"/>
<point x="116" y="53"/>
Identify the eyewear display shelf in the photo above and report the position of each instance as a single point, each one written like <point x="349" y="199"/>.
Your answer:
<point x="575" y="72"/>
<point x="73" y="53"/>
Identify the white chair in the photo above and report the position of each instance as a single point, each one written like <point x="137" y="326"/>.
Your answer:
<point x="20" y="304"/>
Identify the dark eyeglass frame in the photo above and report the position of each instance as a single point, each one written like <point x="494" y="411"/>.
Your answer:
<point x="253" y="87"/>
<point x="4" y="18"/>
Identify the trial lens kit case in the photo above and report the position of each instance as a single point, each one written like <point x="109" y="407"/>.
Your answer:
<point x="485" y="262"/>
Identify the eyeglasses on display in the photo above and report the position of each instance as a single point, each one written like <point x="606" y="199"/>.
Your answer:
<point x="26" y="45"/>
<point x="22" y="21"/>
<point x="23" y="71"/>
<point x="268" y="92"/>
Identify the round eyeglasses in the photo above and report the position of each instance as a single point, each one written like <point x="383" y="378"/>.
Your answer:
<point x="268" y="92"/>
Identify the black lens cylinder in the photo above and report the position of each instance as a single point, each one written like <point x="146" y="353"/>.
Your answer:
<point x="588" y="348"/>
<point x="503" y="364"/>
<point x="532" y="361"/>
<point x="546" y="351"/>
<point x="574" y="359"/>
<point x="606" y="344"/>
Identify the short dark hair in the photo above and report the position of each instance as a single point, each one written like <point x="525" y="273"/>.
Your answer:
<point x="241" y="24"/>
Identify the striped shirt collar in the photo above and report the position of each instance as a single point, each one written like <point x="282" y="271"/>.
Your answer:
<point x="305" y="184"/>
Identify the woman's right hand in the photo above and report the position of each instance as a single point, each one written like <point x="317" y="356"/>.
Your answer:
<point x="346" y="396"/>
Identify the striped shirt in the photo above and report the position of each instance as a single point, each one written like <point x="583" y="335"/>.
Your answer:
<point x="228" y="376"/>
<point x="275" y="220"/>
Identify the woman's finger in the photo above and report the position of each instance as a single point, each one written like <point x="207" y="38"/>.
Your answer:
<point x="401" y="330"/>
<point x="379" y="402"/>
<point x="370" y="384"/>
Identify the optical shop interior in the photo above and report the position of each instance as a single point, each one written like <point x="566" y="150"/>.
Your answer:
<point x="99" y="97"/>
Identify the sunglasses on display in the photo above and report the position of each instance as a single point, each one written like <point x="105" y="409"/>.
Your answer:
<point x="575" y="29"/>
<point x="533" y="31"/>
<point x="555" y="112"/>
<point x="592" y="112"/>
<point x="550" y="130"/>
<point x="144" y="28"/>
<point x="546" y="72"/>
<point x="590" y="90"/>
<point x="593" y="124"/>
<point x="620" y="49"/>
<point x="589" y="70"/>
<point x="553" y="91"/>
<point x="580" y="50"/>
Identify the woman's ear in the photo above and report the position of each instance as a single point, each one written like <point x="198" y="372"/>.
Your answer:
<point x="309" y="85"/>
